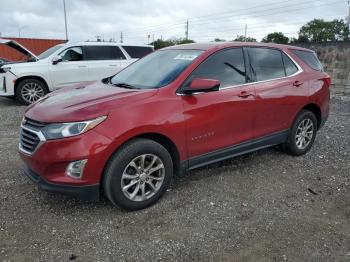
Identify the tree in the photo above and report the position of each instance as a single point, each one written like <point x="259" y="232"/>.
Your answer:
<point x="159" y="43"/>
<point x="242" y="38"/>
<point x="183" y="41"/>
<point x="219" y="40"/>
<point x="319" y="30"/>
<point x="276" y="37"/>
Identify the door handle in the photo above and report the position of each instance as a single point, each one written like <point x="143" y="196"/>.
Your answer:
<point x="297" y="83"/>
<point x="112" y="65"/>
<point x="244" y="94"/>
<point x="82" y="66"/>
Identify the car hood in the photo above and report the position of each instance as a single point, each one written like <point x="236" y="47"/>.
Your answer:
<point x="84" y="102"/>
<point x="14" y="45"/>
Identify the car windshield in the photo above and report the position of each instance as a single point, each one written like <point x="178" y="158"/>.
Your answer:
<point x="49" y="52"/>
<point x="155" y="70"/>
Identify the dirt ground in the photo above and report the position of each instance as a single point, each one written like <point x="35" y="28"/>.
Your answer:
<point x="264" y="206"/>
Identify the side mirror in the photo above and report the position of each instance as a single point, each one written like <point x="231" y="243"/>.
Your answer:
<point x="56" y="60"/>
<point x="202" y="85"/>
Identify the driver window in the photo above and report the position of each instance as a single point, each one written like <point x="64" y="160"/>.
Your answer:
<point x="227" y="66"/>
<point x="72" y="54"/>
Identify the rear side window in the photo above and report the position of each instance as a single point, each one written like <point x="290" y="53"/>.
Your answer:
<point x="138" y="51"/>
<point x="309" y="58"/>
<point x="227" y="66"/>
<point x="266" y="63"/>
<point x="289" y="65"/>
<point x="103" y="53"/>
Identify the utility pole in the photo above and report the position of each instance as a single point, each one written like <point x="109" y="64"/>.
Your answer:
<point x="186" y="30"/>
<point x="245" y="32"/>
<point x="348" y="17"/>
<point x="65" y="18"/>
<point x="121" y="37"/>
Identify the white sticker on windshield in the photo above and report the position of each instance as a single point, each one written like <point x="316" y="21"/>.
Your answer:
<point x="185" y="57"/>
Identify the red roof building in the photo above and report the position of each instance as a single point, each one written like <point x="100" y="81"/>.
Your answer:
<point x="36" y="46"/>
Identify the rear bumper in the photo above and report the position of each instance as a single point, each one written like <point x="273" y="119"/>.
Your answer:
<point x="88" y="192"/>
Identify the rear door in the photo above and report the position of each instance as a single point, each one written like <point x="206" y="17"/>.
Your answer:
<point x="224" y="118"/>
<point x="104" y="61"/>
<point x="71" y="70"/>
<point x="280" y="90"/>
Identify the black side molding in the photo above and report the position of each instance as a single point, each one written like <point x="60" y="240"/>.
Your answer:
<point x="236" y="150"/>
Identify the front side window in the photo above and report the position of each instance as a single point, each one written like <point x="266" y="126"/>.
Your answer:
<point x="103" y="53"/>
<point x="72" y="54"/>
<point x="266" y="63"/>
<point x="157" y="69"/>
<point x="227" y="66"/>
<point x="138" y="51"/>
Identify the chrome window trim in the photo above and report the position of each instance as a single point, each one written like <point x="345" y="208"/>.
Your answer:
<point x="300" y="70"/>
<point x="40" y="136"/>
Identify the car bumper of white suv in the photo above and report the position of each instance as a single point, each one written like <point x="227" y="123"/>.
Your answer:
<point x="7" y="83"/>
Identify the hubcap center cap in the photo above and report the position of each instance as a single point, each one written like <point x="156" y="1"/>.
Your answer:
<point x="143" y="177"/>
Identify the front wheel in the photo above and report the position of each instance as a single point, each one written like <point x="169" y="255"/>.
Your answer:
<point x="30" y="90"/>
<point x="302" y="134"/>
<point x="138" y="174"/>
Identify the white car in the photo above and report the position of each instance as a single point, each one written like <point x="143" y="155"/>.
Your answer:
<point x="64" y="65"/>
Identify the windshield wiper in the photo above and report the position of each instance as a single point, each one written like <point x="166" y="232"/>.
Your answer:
<point x="125" y="85"/>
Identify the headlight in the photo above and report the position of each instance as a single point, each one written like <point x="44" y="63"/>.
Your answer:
<point x="4" y="69"/>
<point x="61" y="130"/>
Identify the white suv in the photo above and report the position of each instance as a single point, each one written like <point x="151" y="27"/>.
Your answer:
<point x="64" y="65"/>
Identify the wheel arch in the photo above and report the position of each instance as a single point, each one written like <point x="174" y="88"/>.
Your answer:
<point x="162" y="139"/>
<point x="22" y="78"/>
<point x="316" y="110"/>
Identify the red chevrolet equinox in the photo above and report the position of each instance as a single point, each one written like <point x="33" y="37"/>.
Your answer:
<point x="176" y="109"/>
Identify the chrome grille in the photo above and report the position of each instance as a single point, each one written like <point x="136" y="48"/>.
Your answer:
<point x="28" y="140"/>
<point x="30" y="136"/>
<point x="33" y="124"/>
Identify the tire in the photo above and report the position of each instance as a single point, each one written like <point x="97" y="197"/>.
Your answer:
<point x="30" y="90"/>
<point x="304" y="128"/>
<point x="124" y="170"/>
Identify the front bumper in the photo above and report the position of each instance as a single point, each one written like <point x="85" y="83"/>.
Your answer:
<point x="7" y="84"/>
<point x="90" y="192"/>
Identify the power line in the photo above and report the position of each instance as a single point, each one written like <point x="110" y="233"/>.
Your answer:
<point x="261" y="12"/>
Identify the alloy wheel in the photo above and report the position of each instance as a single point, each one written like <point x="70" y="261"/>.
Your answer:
<point x="32" y="92"/>
<point x="143" y="177"/>
<point x="304" y="133"/>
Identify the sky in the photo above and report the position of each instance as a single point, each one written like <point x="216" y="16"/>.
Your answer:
<point x="142" y="20"/>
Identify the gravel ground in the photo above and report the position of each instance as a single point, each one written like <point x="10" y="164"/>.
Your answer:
<point x="264" y="206"/>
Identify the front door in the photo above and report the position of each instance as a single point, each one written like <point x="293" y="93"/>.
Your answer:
<point x="71" y="70"/>
<point x="224" y="118"/>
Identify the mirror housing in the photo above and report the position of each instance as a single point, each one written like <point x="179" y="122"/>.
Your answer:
<point x="56" y="60"/>
<point x="202" y="85"/>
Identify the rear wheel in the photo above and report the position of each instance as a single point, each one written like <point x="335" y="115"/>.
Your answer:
<point x="30" y="90"/>
<point x="138" y="174"/>
<point x="302" y="134"/>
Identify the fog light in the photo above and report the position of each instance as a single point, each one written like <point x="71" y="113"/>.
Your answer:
<point x="75" y="169"/>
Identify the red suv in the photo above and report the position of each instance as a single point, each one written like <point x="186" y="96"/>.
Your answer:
<point x="176" y="109"/>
